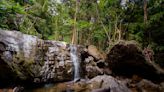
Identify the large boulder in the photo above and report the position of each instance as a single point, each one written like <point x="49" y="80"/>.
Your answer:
<point x="93" y="51"/>
<point x="127" y="59"/>
<point x="106" y="83"/>
<point x="148" y="86"/>
<point x="94" y="62"/>
<point x="27" y="58"/>
<point x="17" y="54"/>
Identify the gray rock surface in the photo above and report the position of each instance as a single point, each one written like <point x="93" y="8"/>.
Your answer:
<point x="106" y="83"/>
<point x="36" y="60"/>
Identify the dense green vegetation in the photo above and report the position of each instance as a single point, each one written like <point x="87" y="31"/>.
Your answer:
<point x="98" y="22"/>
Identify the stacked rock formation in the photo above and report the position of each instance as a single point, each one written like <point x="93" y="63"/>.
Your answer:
<point x="31" y="59"/>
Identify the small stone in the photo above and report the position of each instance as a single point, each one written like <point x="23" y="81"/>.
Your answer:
<point x="51" y="58"/>
<point x="68" y="61"/>
<point x="90" y="58"/>
<point x="52" y="75"/>
<point x="46" y="63"/>
<point x="69" y="71"/>
<point x="7" y="55"/>
<point x="53" y="70"/>
<point x="53" y="49"/>
<point x="52" y="62"/>
<point x="58" y="58"/>
<point x="36" y="80"/>
<point x="61" y="63"/>
<point x="87" y="60"/>
<point x="2" y="46"/>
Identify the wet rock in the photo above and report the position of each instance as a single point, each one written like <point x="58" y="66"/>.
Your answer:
<point x="144" y="86"/>
<point x="17" y="53"/>
<point x="147" y="86"/>
<point x="93" y="51"/>
<point x="36" y="80"/>
<point x="101" y="83"/>
<point x="34" y="60"/>
<point x="18" y="89"/>
<point x="107" y="84"/>
<point x="93" y="67"/>
<point x="92" y="71"/>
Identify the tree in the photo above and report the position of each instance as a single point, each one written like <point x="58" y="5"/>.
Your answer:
<point x="97" y="22"/>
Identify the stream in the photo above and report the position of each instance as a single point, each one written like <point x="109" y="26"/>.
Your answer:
<point x="74" y="58"/>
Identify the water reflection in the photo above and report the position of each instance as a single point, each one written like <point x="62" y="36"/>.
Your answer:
<point x="60" y="87"/>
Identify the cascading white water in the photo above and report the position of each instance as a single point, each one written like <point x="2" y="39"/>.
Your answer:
<point x="76" y="62"/>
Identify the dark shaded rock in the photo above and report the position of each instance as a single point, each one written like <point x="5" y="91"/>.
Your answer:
<point x="2" y="47"/>
<point x="127" y="59"/>
<point x="101" y="90"/>
<point x="148" y="86"/>
<point x="18" y="89"/>
<point x="7" y="76"/>
<point x="144" y="85"/>
<point x="101" y="64"/>
<point x="159" y="58"/>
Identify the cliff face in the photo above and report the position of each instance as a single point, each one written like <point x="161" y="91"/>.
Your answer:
<point x="28" y="58"/>
<point x="17" y="53"/>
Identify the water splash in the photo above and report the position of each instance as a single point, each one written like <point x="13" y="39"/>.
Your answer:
<point x="76" y="62"/>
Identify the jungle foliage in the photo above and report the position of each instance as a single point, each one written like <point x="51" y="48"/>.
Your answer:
<point x="98" y="22"/>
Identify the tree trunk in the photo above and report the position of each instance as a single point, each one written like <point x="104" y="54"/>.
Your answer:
<point x="148" y="36"/>
<point x="74" y="34"/>
<point x="145" y="12"/>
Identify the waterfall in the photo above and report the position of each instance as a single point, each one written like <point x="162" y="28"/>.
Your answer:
<point x="76" y="62"/>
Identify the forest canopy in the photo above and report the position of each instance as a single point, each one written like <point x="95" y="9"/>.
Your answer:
<point x="97" y="22"/>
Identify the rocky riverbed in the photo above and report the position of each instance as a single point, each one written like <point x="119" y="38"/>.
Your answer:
<point x="30" y="64"/>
